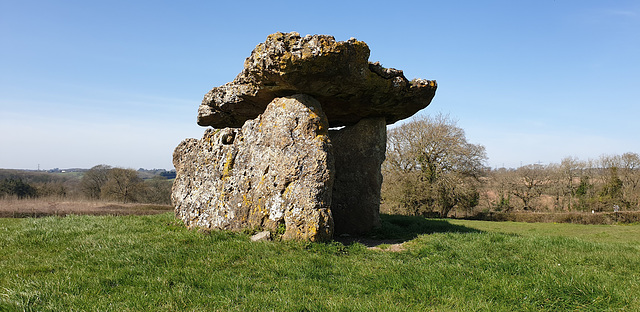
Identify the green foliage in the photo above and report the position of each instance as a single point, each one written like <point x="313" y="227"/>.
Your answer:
<point x="153" y="263"/>
<point x="583" y="193"/>
<point x="16" y="187"/>
<point x="584" y="187"/>
<point x="25" y="184"/>
<point x="613" y="188"/>
<point x="280" y="229"/>
<point x="503" y="203"/>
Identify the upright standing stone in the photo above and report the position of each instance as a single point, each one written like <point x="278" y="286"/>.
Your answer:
<point x="358" y="151"/>
<point x="275" y="171"/>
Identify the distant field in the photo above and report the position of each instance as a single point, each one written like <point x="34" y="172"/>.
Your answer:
<point x="152" y="263"/>
<point x="19" y="208"/>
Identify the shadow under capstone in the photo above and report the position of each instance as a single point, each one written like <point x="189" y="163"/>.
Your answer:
<point x="396" y="229"/>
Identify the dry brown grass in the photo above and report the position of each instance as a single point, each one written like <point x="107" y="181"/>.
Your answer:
<point x="563" y="217"/>
<point x="21" y="208"/>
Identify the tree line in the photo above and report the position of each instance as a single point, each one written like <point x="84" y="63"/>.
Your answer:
<point x="431" y="170"/>
<point x="610" y="183"/>
<point x="101" y="182"/>
<point x="25" y="184"/>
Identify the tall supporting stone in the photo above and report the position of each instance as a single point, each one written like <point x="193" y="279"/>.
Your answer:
<point x="358" y="151"/>
<point x="276" y="172"/>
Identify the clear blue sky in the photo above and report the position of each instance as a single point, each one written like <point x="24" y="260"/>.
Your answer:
<point x="119" y="82"/>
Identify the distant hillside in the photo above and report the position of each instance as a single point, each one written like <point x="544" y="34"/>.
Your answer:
<point x="69" y="183"/>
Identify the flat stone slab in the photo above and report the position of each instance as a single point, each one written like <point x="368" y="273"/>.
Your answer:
<point x="336" y="73"/>
<point x="262" y="236"/>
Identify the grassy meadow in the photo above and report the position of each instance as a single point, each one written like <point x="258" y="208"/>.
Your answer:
<point x="152" y="263"/>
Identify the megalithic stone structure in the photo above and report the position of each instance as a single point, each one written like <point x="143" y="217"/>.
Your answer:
<point x="270" y="160"/>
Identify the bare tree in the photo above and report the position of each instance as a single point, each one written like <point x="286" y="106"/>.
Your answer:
<point x="609" y="183"/>
<point x="527" y="184"/>
<point x="570" y="170"/>
<point x="629" y="169"/>
<point x="157" y="190"/>
<point x="611" y="192"/>
<point x="432" y="167"/>
<point x="93" y="180"/>
<point x="498" y="190"/>
<point x="123" y="185"/>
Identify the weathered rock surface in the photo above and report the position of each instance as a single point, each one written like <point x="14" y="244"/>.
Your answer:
<point x="358" y="151"/>
<point x="277" y="170"/>
<point x="336" y="73"/>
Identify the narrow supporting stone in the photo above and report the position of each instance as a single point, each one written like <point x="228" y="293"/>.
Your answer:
<point x="358" y="151"/>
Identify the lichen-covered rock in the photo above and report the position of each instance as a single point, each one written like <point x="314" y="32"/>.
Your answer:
<point x="358" y="151"/>
<point x="336" y="73"/>
<point x="276" y="171"/>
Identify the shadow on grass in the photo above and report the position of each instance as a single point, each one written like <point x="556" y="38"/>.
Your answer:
<point x="397" y="229"/>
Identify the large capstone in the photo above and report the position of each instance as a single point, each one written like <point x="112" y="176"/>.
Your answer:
<point x="275" y="173"/>
<point x="336" y="73"/>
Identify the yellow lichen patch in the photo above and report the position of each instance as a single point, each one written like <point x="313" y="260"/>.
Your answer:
<point x="306" y="53"/>
<point x="313" y="115"/>
<point x="322" y="130"/>
<point x="321" y="139"/>
<point x="264" y="177"/>
<point x="246" y="201"/>
<point x="228" y="165"/>
<point x="275" y="37"/>
<point x="283" y="103"/>
<point x="286" y="60"/>
<point x="313" y="230"/>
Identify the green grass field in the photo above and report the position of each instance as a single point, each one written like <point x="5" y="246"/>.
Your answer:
<point x="152" y="263"/>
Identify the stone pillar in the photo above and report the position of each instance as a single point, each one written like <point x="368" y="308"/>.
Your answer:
<point x="276" y="170"/>
<point x="358" y="151"/>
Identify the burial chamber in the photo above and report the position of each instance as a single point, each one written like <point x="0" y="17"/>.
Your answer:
<point x="272" y="157"/>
